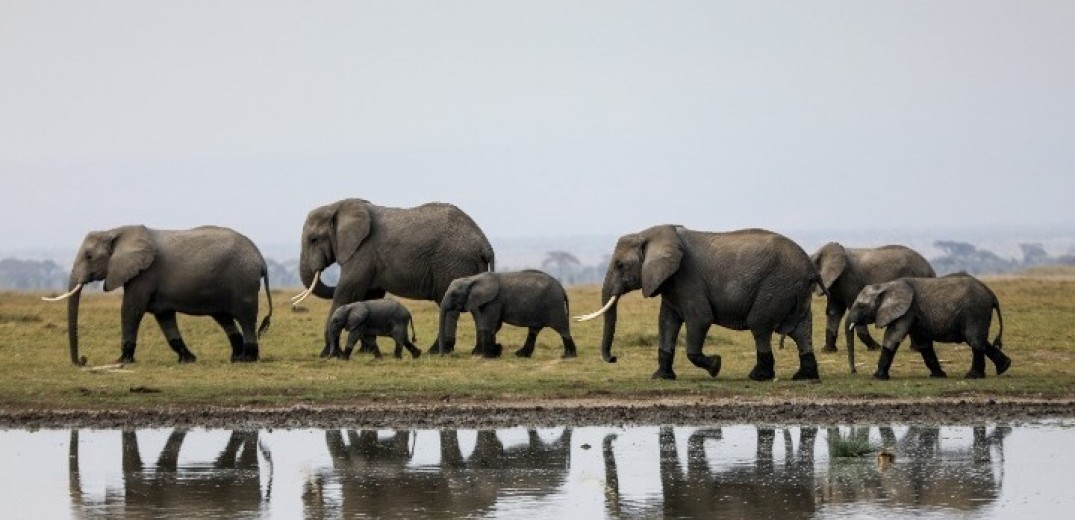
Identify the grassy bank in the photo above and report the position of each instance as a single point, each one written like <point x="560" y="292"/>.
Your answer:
<point x="1039" y="336"/>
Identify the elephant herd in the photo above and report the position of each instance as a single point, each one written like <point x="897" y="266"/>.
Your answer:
<point x="749" y="279"/>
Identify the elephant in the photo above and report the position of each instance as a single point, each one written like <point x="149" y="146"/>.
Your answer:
<point x="845" y="271"/>
<point x="956" y="308"/>
<point x="751" y="279"/>
<point x="373" y="318"/>
<point x="409" y="252"/>
<point x="207" y="270"/>
<point x="530" y="298"/>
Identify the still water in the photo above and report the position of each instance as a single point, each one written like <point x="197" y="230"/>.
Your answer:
<point x="739" y="471"/>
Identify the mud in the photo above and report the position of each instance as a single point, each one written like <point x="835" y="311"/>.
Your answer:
<point x="557" y="412"/>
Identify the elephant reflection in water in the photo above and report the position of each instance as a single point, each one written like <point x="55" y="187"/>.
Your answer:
<point x="925" y="473"/>
<point x="232" y="486"/>
<point x="764" y="490"/>
<point x="375" y="477"/>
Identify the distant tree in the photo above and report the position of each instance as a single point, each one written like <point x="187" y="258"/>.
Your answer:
<point x="561" y="265"/>
<point x="1034" y="254"/>
<point x="31" y="275"/>
<point x="956" y="249"/>
<point x="962" y="256"/>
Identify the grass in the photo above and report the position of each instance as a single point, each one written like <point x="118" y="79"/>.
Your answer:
<point x="1040" y="338"/>
<point x="853" y="445"/>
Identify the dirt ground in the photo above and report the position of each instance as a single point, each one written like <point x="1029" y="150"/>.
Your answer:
<point x="560" y="412"/>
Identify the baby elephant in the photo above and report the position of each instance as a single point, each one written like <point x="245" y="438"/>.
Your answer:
<point x="529" y="299"/>
<point x="952" y="309"/>
<point x="366" y="320"/>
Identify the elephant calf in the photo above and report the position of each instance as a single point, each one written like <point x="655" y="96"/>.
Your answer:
<point x="369" y="319"/>
<point x="531" y="299"/>
<point x="953" y="309"/>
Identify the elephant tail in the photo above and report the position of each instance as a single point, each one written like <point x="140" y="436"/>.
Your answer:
<point x="782" y="338"/>
<point x="1000" y="317"/>
<point x="268" y="296"/>
<point x="414" y="331"/>
<point x="489" y="257"/>
<point x="820" y="285"/>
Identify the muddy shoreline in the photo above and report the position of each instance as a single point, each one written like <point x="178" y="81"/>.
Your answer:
<point x="559" y="412"/>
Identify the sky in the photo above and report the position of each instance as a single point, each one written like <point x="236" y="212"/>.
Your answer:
<point x="547" y="118"/>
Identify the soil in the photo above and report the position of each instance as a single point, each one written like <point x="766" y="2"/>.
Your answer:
<point x="452" y="413"/>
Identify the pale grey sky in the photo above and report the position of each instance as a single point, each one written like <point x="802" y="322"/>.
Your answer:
<point x="537" y="118"/>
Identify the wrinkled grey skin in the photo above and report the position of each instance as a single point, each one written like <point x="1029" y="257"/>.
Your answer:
<point x="208" y="270"/>
<point x="845" y="271"/>
<point x="409" y="252"/>
<point x="750" y="279"/>
<point x="530" y="299"/>
<point x="951" y="309"/>
<point x="369" y="319"/>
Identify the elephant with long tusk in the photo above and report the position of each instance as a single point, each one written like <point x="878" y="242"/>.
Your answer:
<point x="208" y="270"/>
<point x="751" y="279"/>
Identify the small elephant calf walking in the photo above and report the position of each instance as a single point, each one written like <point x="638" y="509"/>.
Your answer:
<point x="367" y="319"/>
<point x="956" y="308"/>
<point x="530" y="298"/>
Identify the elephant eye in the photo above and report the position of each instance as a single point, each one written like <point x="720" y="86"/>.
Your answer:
<point x="87" y="255"/>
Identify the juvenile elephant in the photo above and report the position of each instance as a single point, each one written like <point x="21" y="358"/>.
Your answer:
<point x="529" y="299"/>
<point x="750" y="279"/>
<point x="845" y="271"/>
<point x="956" y="308"/>
<point x="207" y="270"/>
<point x="368" y="319"/>
<point x="409" y="252"/>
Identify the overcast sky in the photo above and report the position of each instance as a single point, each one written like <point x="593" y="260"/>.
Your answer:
<point x="537" y="118"/>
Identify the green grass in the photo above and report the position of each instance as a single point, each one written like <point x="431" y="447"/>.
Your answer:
<point x="1040" y="338"/>
<point x="853" y="445"/>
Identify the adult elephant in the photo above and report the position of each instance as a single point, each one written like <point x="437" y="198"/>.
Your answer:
<point x="845" y="271"/>
<point x="207" y="270"/>
<point x="409" y="252"/>
<point x="750" y="279"/>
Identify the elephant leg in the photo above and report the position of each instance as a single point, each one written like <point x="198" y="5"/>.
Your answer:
<point x="487" y="345"/>
<point x="668" y="324"/>
<point x="401" y="339"/>
<point x="863" y="333"/>
<point x="170" y="328"/>
<point x="833" y="313"/>
<point x="982" y="348"/>
<point x="894" y="334"/>
<point x="696" y="332"/>
<point x="929" y="356"/>
<point x="369" y="339"/>
<point x="802" y="335"/>
<point x="527" y="349"/>
<point x="131" y="314"/>
<point x="235" y="338"/>
<point x="248" y="319"/>
<point x="353" y="337"/>
<point x="765" y="368"/>
<point x="569" y="346"/>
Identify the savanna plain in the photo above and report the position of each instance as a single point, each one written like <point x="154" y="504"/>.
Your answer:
<point x="292" y="385"/>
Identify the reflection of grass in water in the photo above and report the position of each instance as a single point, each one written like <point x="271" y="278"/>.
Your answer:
<point x="853" y="445"/>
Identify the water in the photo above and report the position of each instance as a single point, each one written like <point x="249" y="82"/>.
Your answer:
<point x="740" y="471"/>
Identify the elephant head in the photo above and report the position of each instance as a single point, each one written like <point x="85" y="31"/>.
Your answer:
<point x="830" y="260"/>
<point x="643" y="260"/>
<point x="465" y="294"/>
<point x="331" y="234"/>
<point x="115" y="256"/>
<point x="346" y="317"/>
<point x="881" y="304"/>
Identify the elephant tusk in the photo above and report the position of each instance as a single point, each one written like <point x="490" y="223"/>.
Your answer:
<point x="64" y="296"/>
<point x="852" y="326"/>
<point x="593" y="315"/>
<point x="295" y="300"/>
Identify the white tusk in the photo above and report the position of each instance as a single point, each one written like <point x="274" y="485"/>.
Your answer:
<point x="851" y="326"/>
<point x="593" y="315"/>
<point x="295" y="300"/>
<point x="64" y="296"/>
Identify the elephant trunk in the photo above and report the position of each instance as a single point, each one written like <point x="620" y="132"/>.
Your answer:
<point x="72" y="320"/>
<point x="610" y="324"/>
<point x="314" y="285"/>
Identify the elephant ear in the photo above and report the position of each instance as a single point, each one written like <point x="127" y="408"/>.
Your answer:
<point x="357" y="315"/>
<point x="831" y="261"/>
<point x="133" y="251"/>
<point x="660" y="260"/>
<point x="483" y="289"/>
<point x="352" y="221"/>
<point x="895" y="302"/>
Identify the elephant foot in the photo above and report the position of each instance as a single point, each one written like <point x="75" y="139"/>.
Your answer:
<point x="1001" y="361"/>
<point x="415" y="353"/>
<point x="711" y="364"/>
<point x="807" y="368"/>
<point x="125" y="360"/>
<point x="524" y="352"/>
<point x="873" y="347"/>
<point x="187" y="358"/>
<point x="830" y="348"/>
<point x="664" y="373"/>
<point x="974" y="374"/>
<point x="765" y="369"/>
<point x="494" y="351"/>
<point x="940" y="374"/>
<point x="398" y="354"/>
<point x="879" y="375"/>
<point x="569" y="354"/>
<point x="326" y="352"/>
